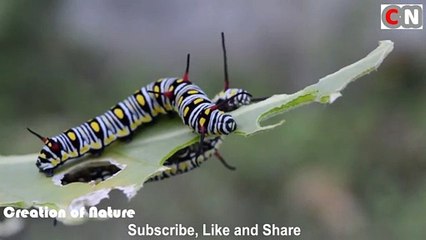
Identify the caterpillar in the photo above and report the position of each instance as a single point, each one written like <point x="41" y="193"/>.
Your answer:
<point x="164" y="96"/>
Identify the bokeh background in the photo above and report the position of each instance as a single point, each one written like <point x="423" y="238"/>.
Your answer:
<point x="355" y="169"/>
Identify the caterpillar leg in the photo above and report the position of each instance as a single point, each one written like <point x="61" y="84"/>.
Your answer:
<point x="97" y="152"/>
<point x="48" y="172"/>
<point x="222" y="160"/>
<point x="200" y="149"/>
<point x="128" y="138"/>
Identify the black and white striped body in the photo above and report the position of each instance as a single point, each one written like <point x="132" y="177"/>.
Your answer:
<point x="118" y="122"/>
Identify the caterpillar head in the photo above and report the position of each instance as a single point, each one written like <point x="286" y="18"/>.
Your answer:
<point x="215" y="122"/>
<point x="222" y="123"/>
<point x="228" y="125"/>
<point x="48" y="158"/>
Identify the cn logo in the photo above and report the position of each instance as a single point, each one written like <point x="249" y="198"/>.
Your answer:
<point x="402" y="16"/>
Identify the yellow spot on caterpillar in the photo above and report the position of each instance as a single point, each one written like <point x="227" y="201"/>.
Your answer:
<point x="54" y="162"/>
<point x="192" y="91"/>
<point x="168" y="106"/>
<point x="198" y="100"/>
<point x="72" y="136"/>
<point x="180" y="101"/>
<point x="179" y="80"/>
<point x="146" y="119"/>
<point x="96" y="145"/>
<point x="139" y="121"/>
<point x="171" y="88"/>
<point x="140" y="99"/>
<point x="109" y="139"/>
<point x="123" y="132"/>
<point x="156" y="88"/>
<point x="185" y="112"/>
<point x="43" y="155"/>
<point x="134" y="125"/>
<point x="119" y="113"/>
<point x="84" y="149"/>
<point x="49" y="144"/>
<point x="95" y="126"/>
<point x="64" y="156"/>
<point x="159" y="109"/>
<point x="74" y="154"/>
<point x="207" y="111"/>
<point x="155" y="111"/>
<point x="183" y="166"/>
<point x="202" y="121"/>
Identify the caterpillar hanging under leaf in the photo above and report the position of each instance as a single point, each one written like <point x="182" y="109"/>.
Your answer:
<point x="164" y="96"/>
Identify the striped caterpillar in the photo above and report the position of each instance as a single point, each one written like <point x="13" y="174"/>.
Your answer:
<point x="164" y="96"/>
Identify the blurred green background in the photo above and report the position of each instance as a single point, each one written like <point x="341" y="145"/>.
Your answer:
<point x="355" y="169"/>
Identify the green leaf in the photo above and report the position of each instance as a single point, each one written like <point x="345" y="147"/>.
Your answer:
<point x="21" y="185"/>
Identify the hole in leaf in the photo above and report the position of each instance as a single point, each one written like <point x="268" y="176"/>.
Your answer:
<point x="92" y="172"/>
